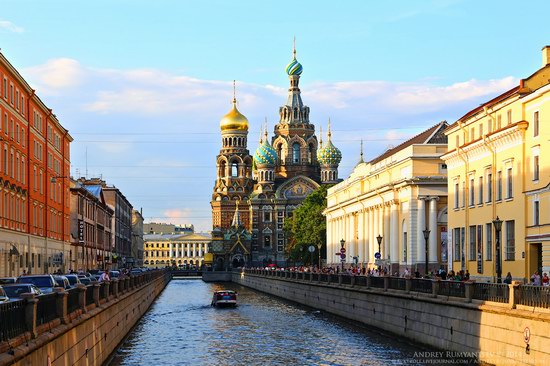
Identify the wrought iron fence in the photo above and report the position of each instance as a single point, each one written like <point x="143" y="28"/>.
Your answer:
<point x="496" y="292"/>
<point x="72" y="300"/>
<point x="346" y="279"/>
<point x="12" y="319"/>
<point x="89" y="295"/>
<point x="102" y="291"/>
<point x="538" y="296"/>
<point x="452" y="288"/>
<point x="397" y="283"/>
<point x="377" y="282"/>
<point x="323" y="277"/>
<point x="315" y="276"/>
<point x="421" y="285"/>
<point x="361" y="281"/>
<point x="46" y="308"/>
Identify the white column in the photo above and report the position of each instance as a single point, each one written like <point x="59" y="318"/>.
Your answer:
<point x="205" y="248"/>
<point x="394" y="233"/>
<point x="420" y="226"/>
<point x="352" y="238"/>
<point x="188" y="250"/>
<point x="434" y="243"/>
<point x="361" y="236"/>
<point x="194" y="249"/>
<point x="371" y="236"/>
<point x="376" y="230"/>
<point x="366" y="233"/>
<point x="171" y="247"/>
<point x="386" y="234"/>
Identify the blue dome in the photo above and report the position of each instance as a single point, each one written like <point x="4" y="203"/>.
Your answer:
<point x="329" y="155"/>
<point x="265" y="154"/>
<point x="294" y="67"/>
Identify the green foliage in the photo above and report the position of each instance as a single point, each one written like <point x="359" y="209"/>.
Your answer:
<point x="307" y="226"/>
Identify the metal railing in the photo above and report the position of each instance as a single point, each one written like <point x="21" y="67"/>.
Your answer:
<point x="377" y="282"/>
<point x="12" y="319"/>
<point x="538" y="296"/>
<point x="89" y="295"/>
<point x="46" y="308"/>
<point x="397" y="283"/>
<point x="73" y="300"/>
<point x="346" y="280"/>
<point x="451" y="288"/>
<point x="497" y="292"/>
<point x="421" y="285"/>
<point x="361" y="281"/>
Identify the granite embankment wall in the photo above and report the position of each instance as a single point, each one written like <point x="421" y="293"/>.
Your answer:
<point x="491" y="331"/>
<point x="90" y="334"/>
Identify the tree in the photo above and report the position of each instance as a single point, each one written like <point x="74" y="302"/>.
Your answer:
<point x="307" y="226"/>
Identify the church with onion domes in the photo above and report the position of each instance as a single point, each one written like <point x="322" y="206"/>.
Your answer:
<point x="254" y="194"/>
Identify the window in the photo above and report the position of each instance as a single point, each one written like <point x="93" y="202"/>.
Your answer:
<point x="234" y="169"/>
<point x="456" y="195"/>
<point x="457" y="141"/>
<point x="536" y="213"/>
<point x="472" y="251"/>
<point x="509" y="116"/>
<point x="5" y="88"/>
<point x="463" y="193"/>
<point x="499" y="185"/>
<point x="489" y="241"/>
<point x="536" y="124"/>
<point x="456" y="241"/>
<point x="267" y="216"/>
<point x="490" y="125"/>
<point x="480" y="191"/>
<point x="499" y="121"/>
<point x="509" y="184"/>
<point x="536" y="169"/>
<point x="510" y="241"/>
<point x="489" y="187"/>
<point x="473" y="132"/>
<point x="296" y="153"/>
<point x="472" y="192"/>
<point x="480" y="130"/>
<point x="267" y="241"/>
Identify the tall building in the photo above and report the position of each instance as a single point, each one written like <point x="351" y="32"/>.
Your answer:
<point x="34" y="189"/>
<point x="396" y="198"/>
<point x="136" y="258"/>
<point x="264" y="189"/>
<point x="499" y="185"/>
<point x="91" y="230"/>
<point x="185" y="250"/>
<point x="121" y="232"/>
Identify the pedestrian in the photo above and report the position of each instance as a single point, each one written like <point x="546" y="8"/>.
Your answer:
<point x="104" y="276"/>
<point x="508" y="279"/>
<point x="545" y="279"/>
<point x="536" y="278"/>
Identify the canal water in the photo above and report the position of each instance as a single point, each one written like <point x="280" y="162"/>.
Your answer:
<point x="181" y="328"/>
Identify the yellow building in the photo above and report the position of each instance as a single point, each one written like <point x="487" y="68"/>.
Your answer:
<point x="497" y="169"/>
<point x="182" y="250"/>
<point x="397" y="196"/>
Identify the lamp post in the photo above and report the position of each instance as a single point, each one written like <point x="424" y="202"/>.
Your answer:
<point x="379" y="240"/>
<point x="497" y="223"/>
<point x="426" y="238"/>
<point x="342" y="253"/>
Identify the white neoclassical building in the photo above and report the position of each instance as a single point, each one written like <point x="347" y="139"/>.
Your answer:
<point x="185" y="250"/>
<point x="395" y="197"/>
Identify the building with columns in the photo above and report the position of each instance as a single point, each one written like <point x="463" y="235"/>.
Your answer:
<point x="498" y="172"/>
<point x="169" y="249"/>
<point x="395" y="196"/>
<point x="269" y="185"/>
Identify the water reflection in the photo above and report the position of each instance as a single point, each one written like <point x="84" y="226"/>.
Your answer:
<point x="181" y="328"/>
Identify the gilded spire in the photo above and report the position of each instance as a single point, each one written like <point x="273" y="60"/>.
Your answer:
<point x="261" y="134"/>
<point x="329" y="133"/>
<point x="320" y="137"/>
<point x="294" y="48"/>
<point x="361" y="154"/>
<point x="234" y="93"/>
<point x="265" y="129"/>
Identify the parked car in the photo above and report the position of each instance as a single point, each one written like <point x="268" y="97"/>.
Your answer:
<point x="73" y="279"/>
<point x="62" y="281"/>
<point x="14" y="291"/>
<point x="136" y="271"/>
<point x="114" y="274"/>
<point x="3" y="296"/>
<point x="85" y="281"/>
<point x="5" y="280"/>
<point x="45" y="283"/>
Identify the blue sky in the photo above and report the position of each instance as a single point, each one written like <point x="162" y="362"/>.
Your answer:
<point x="142" y="85"/>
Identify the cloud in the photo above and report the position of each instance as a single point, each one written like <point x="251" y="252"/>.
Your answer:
<point x="57" y="74"/>
<point x="10" y="27"/>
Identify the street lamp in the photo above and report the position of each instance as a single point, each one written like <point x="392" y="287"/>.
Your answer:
<point x="342" y="253"/>
<point x="497" y="223"/>
<point x="379" y="240"/>
<point x="426" y="238"/>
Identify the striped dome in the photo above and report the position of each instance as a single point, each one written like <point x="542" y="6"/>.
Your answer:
<point x="329" y="155"/>
<point x="265" y="154"/>
<point x="294" y="67"/>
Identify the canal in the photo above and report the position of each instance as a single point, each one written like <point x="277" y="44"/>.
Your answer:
<point x="181" y="328"/>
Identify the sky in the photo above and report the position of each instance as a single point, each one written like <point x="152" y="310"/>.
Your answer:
<point x="142" y="85"/>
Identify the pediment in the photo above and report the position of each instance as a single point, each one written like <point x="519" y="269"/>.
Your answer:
<point x="298" y="187"/>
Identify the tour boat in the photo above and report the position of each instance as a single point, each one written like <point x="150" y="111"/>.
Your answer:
<point x="224" y="298"/>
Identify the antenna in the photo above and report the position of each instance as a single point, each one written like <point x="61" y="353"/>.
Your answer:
<point x="86" y="162"/>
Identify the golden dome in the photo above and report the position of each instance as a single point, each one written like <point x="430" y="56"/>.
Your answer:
<point x="234" y="120"/>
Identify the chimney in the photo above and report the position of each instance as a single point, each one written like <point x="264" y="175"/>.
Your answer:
<point x="545" y="55"/>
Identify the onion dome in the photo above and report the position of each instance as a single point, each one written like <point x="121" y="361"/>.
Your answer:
<point x="329" y="154"/>
<point x="294" y="67"/>
<point x="265" y="154"/>
<point x="234" y="120"/>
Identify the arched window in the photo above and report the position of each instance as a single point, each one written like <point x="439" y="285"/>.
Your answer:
<point x="222" y="169"/>
<point x="295" y="113"/>
<point x="311" y="153"/>
<point x="280" y="152"/>
<point x="234" y="169"/>
<point x="296" y="153"/>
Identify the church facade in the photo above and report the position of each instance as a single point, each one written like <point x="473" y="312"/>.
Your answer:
<point x="255" y="194"/>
